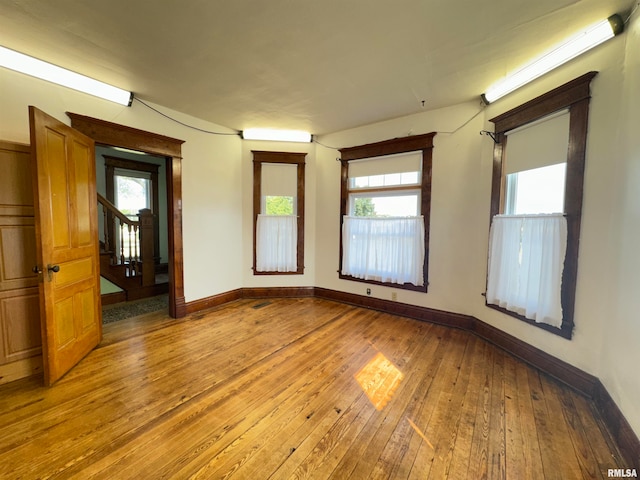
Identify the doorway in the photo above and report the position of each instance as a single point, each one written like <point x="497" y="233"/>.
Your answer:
<point x="135" y="187"/>
<point x="109" y="134"/>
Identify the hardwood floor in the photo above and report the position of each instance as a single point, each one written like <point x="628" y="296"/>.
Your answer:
<point x="261" y="389"/>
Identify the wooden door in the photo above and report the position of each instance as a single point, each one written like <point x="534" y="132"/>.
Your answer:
<point x="19" y="300"/>
<point x="63" y="166"/>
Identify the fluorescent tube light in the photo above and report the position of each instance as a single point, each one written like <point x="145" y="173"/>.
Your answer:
<point x="277" y="135"/>
<point x="576" y="45"/>
<point x="52" y="73"/>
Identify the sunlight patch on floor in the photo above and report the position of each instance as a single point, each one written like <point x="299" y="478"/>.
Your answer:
<point x="379" y="379"/>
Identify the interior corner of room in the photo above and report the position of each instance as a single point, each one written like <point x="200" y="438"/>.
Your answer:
<point x="404" y="136"/>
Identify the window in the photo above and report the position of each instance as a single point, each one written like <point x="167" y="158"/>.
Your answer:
<point x="132" y="185"/>
<point x="536" y="206"/>
<point x="132" y="192"/>
<point x="536" y="191"/>
<point x="278" y="203"/>
<point x="385" y="212"/>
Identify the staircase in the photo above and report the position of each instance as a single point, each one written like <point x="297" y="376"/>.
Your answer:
<point x="127" y="251"/>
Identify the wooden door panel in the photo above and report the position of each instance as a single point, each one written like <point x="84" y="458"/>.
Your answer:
<point x="16" y="194"/>
<point x="20" y="338"/>
<point x="20" y="324"/>
<point x="83" y="185"/>
<point x="66" y="228"/>
<point x="17" y="253"/>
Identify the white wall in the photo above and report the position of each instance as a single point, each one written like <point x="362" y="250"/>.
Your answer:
<point x="456" y="172"/>
<point x="211" y="176"/>
<point x="607" y="333"/>
<point x="620" y="355"/>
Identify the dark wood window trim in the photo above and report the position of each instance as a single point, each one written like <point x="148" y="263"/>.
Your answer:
<point x="298" y="159"/>
<point x="114" y="135"/>
<point x="111" y="164"/>
<point x="423" y="143"/>
<point x="575" y="96"/>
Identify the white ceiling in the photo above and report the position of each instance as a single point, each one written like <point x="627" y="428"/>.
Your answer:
<point x="317" y="65"/>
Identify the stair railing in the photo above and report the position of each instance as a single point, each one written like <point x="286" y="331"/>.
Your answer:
<point x="129" y="243"/>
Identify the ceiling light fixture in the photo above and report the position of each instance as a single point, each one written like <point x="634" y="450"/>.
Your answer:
<point x="52" y="73"/>
<point x="276" y="135"/>
<point x="576" y="45"/>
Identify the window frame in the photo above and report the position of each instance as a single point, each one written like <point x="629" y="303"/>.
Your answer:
<point x="381" y="193"/>
<point x="292" y="158"/>
<point x="574" y="96"/>
<point x="114" y="164"/>
<point x="422" y="143"/>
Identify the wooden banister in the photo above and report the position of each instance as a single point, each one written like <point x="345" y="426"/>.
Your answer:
<point x="133" y="240"/>
<point x="110" y="207"/>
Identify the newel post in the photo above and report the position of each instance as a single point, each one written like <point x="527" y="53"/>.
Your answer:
<point x="146" y="247"/>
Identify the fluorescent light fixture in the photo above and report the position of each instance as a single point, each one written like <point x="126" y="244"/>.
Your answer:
<point x="574" y="46"/>
<point x="277" y="135"/>
<point x="52" y="73"/>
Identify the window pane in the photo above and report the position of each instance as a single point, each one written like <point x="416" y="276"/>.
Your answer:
<point x="392" y="179"/>
<point x="540" y="190"/>
<point x="386" y="180"/>
<point x="395" y="205"/>
<point x="132" y="194"/>
<point x="278" y="205"/>
<point x="409" y="178"/>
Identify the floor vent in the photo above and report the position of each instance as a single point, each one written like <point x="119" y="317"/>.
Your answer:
<point x="260" y="305"/>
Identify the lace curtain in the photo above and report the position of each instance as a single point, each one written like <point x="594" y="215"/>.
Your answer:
<point x="276" y="243"/>
<point x="384" y="249"/>
<point x="526" y="260"/>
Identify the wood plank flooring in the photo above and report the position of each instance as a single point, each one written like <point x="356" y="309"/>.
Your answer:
<point x="268" y="389"/>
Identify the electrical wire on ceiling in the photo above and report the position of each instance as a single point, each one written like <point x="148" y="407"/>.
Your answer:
<point x="182" y="123"/>
<point x="325" y="146"/>
<point x="465" y="123"/>
<point x="437" y="131"/>
<point x="633" y="10"/>
<point x="313" y="139"/>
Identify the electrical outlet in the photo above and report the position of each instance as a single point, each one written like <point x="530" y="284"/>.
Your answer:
<point x="368" y="291"/>
<point x="394" y="296"/>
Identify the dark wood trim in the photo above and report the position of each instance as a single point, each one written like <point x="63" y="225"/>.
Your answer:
<point x="115" y="297"/>
<point x="498" y="176"/>
<point x="411" y="311"/>
<point x="388" y="147"/>
<point x="584" y="383"/>
<point x="278" y="292"/>
<point x="541" y="106"/>
<point x="112" y="134"/>
<point x="213" y="301"/>
<point x="404" y="286"/>
<point x="618" y="426"/>
<point x="575" y="96"/>
<point x="264" y="156"/>
<point x="423" y="143"/>
<point x="292" y="158"/>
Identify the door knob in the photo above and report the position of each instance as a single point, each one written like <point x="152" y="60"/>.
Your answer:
<point x="51" y="269"/>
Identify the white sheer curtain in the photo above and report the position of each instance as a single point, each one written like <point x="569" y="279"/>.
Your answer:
<point x="384" y="249"/>
<point x="526" y="260"/>
<point x="276" y="243"/>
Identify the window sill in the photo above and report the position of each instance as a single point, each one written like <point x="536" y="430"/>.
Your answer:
<point x="405" y="286"/>
<point x="564" y="331"/>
